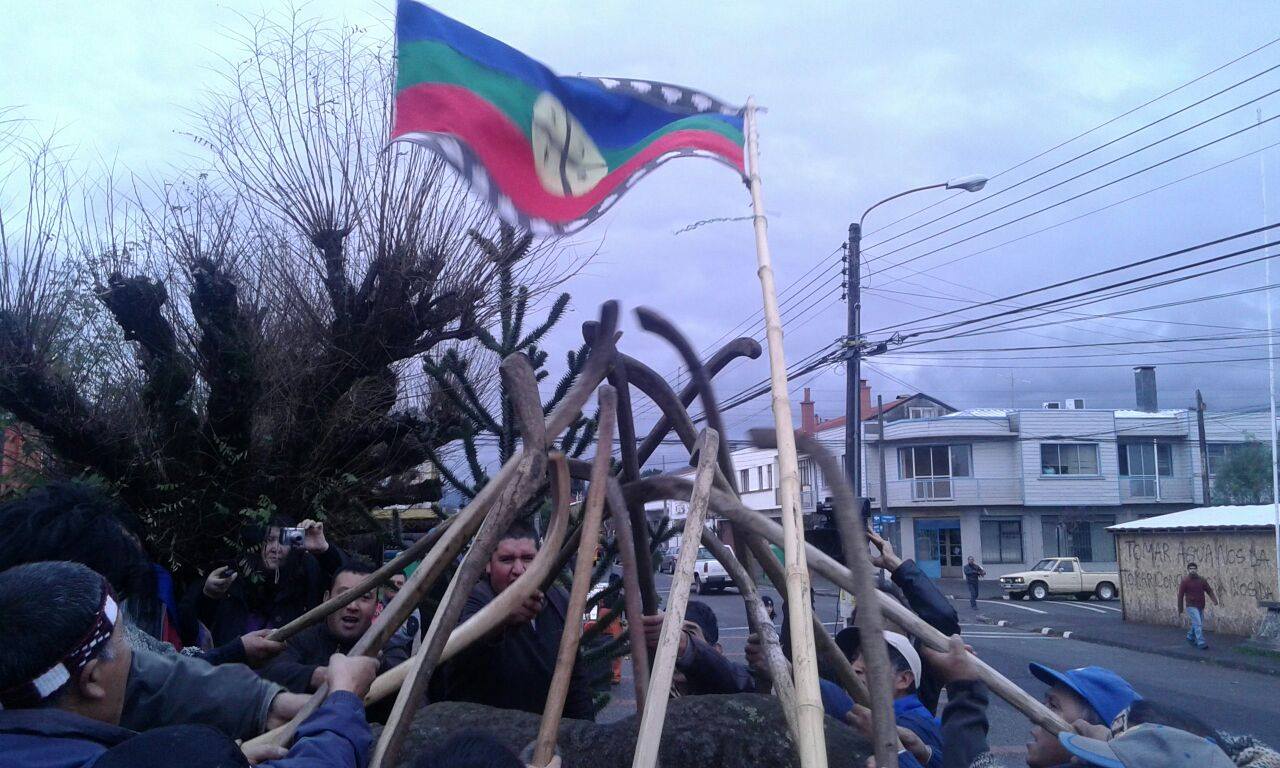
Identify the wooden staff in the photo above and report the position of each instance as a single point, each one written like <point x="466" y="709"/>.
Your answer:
<point x="649" y="737"/>
<point x="522" y="386"/>
<point x="631" y="595"/>
<point x="489" y="617"/>
<point x="370" y="582"/>
<point x="853" y="539"/>
<point x="812" y="738"/>
<point x="667" y="487"/>
<point x="468" y="520"/>
<point x="589" y="544"/>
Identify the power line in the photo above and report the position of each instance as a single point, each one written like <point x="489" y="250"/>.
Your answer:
<point x="1098" y="148"/>
<point x="1067" y="200"/>
<point x="1092" y="275"/>
<point x="1094" y="129"/>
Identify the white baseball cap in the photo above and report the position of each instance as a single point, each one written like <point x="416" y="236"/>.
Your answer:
<point x="902" y="644"/>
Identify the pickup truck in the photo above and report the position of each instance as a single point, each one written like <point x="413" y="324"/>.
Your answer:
<point x="1060" y="576"/>
<point x="708" y="574"/>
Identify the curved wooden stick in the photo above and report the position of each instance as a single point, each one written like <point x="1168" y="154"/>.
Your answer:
<point x="739" y="347"/>
<point x="669" y="487"/>
<point x="655" y="707"/>
<point x="593" y="513"/>
<point x="630" y="592"/>
<point x="489" y="617"/>
<point x="853" y="538"/>
<point x="522" y="386"/>
<point x="370" y="582"/>
<point x="631" y="471"/>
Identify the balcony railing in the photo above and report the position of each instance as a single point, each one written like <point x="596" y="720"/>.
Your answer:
<point x="931" y="489"/>
<point x="1148" y="488"/>
<point x="951" y="490"/>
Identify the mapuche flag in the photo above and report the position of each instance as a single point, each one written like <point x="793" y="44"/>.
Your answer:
<point x="548" y="153"/>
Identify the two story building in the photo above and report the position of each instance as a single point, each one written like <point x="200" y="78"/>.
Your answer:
<point x="1010" y="486"/>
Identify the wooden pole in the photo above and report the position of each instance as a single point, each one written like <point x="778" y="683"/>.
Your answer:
<point x="824" y="565"/>
<point x="631" y="594"/>
<point x="649" y="737"/>
<point x="1204" y="452"/>
<point x="492" y="615"/>
<point x="811" y="741"/>
<point x="884" y="482"/>
<point x="853" y="539"/>
<point x="592" y="515"/>
<point x="522" y="387"/>
<point x="370" y="582"/>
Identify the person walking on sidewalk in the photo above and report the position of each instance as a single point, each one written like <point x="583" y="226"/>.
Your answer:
<point x="1191" y="592"/>
<point x="973" y="572"/>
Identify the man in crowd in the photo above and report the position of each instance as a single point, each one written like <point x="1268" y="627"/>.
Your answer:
<point x="1191" y="593"/>
<point x="1092" y="694"/>
<point x="701" y="666"/>
<point x="63" y="674"/>
<point x="80" y="523"/>
<point x="410" y="632"/>
<point x="301" y="667"/>
<point x="512" y="667"/>
<point x="908" y="711"/>
<point x="973" y="572"/>
<point x="284" y="582"/>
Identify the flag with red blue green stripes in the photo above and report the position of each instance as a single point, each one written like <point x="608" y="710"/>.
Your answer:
<point x="547" y="153"/>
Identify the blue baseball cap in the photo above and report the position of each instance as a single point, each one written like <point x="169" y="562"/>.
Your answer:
<point x="1106" y="692"/>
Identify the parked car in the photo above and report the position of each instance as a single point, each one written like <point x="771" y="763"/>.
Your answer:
<point x="708" y="574"/>
<point x="1061" y="576"/>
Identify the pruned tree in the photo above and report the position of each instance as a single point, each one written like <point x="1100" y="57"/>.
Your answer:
<point x="242" y="340"/>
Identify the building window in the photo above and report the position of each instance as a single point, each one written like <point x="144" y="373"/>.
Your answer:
<point x="922" y="412"/>
<point x="1068" y="459"/>
<point x="1001" y="541"/>
<point x="744" y="480"/>
<point x="1085" y="538"/>
<point x="769" y="475"/>
<point x="932" y="467"/>
<point x="1140" y="462"/>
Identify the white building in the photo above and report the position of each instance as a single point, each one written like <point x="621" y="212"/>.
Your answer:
<point x="1009" y="486"/>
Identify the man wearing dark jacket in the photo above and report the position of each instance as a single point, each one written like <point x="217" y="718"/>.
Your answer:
<point x="287" y="582"/>
<point x="301" y="668"/>
<point x="701" y="666"/>
<point x="64" y="662"/>
<point x="973" y="572"/>
<point x="512" y="667"/>
<point x="925" y="600"/>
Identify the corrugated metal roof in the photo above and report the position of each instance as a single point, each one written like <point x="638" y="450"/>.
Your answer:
<point x="1246" y="516"/>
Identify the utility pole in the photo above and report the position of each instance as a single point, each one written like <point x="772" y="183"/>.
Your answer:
<point x="853" y="364"/>
<point x="884" y="481"/>
<point x="1204" y="450"/>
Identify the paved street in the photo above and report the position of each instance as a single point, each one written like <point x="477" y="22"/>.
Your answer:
<point x="1241" y="701"/>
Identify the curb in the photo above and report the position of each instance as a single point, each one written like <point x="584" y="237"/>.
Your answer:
<point x="1236" y="664"/>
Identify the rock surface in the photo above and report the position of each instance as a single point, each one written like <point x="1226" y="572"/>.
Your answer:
<point x="735" y="731"/>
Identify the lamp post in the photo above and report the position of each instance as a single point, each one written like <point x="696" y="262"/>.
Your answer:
<point x="853" y="357"/>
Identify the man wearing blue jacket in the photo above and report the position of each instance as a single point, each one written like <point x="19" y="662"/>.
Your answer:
<point x="64" y="664"/>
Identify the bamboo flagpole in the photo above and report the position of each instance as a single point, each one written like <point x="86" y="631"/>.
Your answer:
<point x="811" y="739"/>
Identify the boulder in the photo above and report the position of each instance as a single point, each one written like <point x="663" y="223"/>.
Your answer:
<point x="735" y="731"/>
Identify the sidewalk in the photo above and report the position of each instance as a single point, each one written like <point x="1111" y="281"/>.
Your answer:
<point x="1226" y="651"/>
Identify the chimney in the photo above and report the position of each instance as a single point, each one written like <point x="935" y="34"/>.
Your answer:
<point x="808" y="420"/>
<point x="864" y="398"/>
<point x="1144" y="385"/>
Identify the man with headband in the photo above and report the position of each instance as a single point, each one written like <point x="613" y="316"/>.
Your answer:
<point x="64" y="665"/>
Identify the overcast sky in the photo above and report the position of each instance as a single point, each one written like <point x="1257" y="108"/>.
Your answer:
<point x="865" y="100"/>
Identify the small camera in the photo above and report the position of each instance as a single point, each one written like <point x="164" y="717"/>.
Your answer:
<point x="292" y="537"/>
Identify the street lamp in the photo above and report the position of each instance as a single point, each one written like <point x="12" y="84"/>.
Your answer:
<point x="852" y="393"/>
